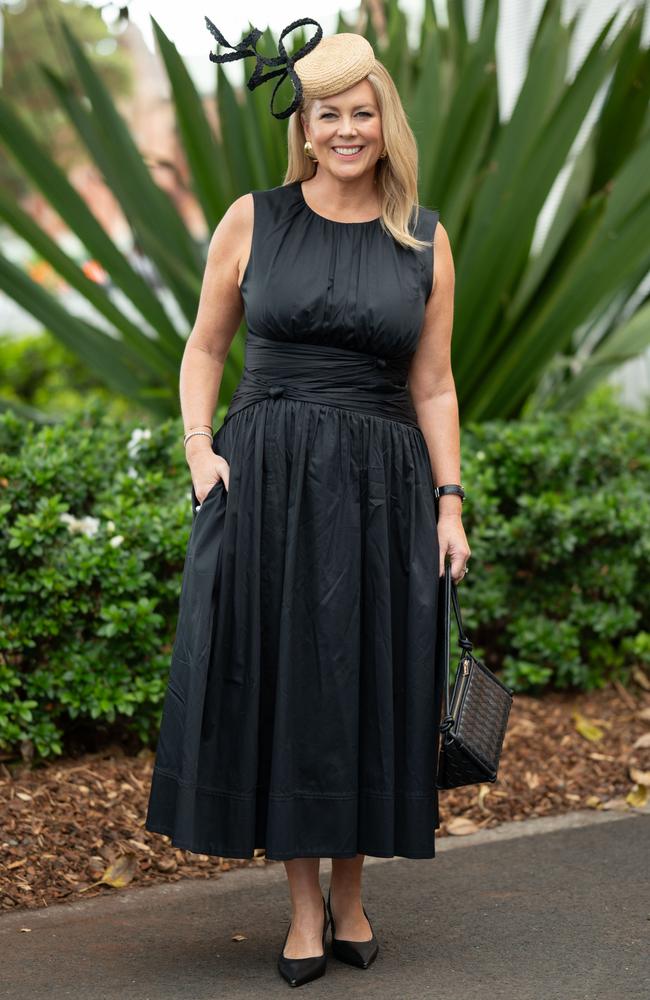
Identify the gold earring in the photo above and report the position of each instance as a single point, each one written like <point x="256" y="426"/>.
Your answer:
<point x="309" y="149"/>
<point x="384" y="155"/>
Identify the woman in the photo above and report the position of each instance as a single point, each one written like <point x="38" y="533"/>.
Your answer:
<point x="302" y="706"/>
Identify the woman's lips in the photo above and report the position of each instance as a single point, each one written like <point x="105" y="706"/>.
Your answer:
<point x="348" y="156"/>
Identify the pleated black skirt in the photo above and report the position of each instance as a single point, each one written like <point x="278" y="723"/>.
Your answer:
<point x="303" y="696"/>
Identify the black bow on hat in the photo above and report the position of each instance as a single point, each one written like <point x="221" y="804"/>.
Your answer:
<point x="241" y="50"/>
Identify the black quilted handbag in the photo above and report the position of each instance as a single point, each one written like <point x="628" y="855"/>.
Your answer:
<point x="474" y="725"/>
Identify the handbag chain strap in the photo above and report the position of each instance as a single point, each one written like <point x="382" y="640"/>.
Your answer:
<point x="451" y="597"/>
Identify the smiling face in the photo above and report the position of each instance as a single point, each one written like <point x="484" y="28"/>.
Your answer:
<point x="345" y="130"/>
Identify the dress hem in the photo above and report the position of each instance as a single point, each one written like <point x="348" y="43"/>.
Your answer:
<point x="240" y="855"/>
<point x="341" y="826"/>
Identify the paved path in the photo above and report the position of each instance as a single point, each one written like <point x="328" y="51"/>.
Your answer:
<point x="555" y="909"/>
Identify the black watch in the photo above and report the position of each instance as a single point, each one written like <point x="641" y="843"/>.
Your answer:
<point x="439" y="491"/>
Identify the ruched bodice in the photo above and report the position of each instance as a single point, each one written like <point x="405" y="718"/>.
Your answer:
<point x="339" y="284"/>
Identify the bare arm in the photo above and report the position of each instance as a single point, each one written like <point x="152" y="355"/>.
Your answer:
<point x="217" y="321"/>
<point x="433" y="391"/>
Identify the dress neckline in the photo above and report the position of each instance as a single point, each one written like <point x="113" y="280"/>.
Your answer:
<point x="332" y="222"/>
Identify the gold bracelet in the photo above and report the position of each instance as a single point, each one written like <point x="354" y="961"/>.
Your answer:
<point x="193" y="433"/>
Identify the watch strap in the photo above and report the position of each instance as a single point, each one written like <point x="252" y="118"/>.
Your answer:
<point x="439" y="491"/>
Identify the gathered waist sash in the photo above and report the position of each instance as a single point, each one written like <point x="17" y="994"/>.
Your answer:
<point x="334" y="376"/>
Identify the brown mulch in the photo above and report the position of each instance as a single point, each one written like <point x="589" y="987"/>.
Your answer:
<point x="75" y="829"/>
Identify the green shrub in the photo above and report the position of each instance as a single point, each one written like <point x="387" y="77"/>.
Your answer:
<point x="95" y="521"/>
<point x="558" y="586"/>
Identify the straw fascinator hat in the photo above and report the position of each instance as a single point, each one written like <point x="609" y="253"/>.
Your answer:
<point x="322" y="67"/>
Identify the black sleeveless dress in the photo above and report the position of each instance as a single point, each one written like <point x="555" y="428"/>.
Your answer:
<point x="303" y="701"/>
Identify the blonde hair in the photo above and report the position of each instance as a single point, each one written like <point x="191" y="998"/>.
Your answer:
<point x="397" y="175"/>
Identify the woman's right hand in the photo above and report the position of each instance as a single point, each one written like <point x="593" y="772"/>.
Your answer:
<point x="207" y="469"/>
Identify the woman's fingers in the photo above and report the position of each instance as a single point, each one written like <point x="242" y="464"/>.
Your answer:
<point x="457" y="570"/>
<point x="453" y="545"/>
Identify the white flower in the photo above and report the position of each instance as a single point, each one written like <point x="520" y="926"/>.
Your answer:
<point x="110" y="526"/>
<point x="138" y="435"/>
<point x="133" y="473"/>
<point x="116" y="540"/>
<point x="88" y="526"/>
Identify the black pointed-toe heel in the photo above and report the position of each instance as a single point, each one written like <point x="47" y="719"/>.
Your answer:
<point x="297" y="971"/>
<point x="359" y="953"/>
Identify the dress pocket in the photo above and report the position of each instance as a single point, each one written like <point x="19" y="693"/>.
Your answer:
<point x="196" y="506"/>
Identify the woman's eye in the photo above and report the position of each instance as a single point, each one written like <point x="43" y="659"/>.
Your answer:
<point x="328" y="114"/>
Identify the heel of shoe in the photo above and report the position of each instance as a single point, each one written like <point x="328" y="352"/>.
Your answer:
<point x="358" y="953"/>
<point x="297" y="971"/>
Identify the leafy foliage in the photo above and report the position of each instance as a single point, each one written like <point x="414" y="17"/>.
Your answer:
<point x="558" y="531"/>
<point x="535" y="327"/>
<point x="95" y="522"/>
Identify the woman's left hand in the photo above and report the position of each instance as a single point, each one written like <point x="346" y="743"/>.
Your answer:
<point x="452" y="542"/>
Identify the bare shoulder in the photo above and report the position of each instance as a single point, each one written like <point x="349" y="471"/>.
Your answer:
<point x="240" y="213"/>
<point x="231" y="241"/>
<point x="441" y="239"/>
<point x="443" y="261"/>
<point x="236" y="222"/>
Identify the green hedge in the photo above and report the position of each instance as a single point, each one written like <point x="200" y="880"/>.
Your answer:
<point x="558" y="528"/>
<point x="88" y="605"/>
<point x="96" y="517"/>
